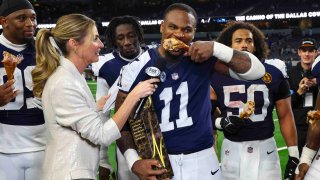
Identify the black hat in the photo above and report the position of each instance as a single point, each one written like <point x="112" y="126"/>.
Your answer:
<point x="10" y="6"/>
<point x="308" y="43"/>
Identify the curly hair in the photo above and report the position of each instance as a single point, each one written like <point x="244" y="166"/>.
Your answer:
<point x="115" y="22"/>
<point x="225" y="37"/>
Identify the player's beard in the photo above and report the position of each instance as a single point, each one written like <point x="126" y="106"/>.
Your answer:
<point x="131" y="56"/>
<point x="28" y="39"/>
<point x="173" y="57"/>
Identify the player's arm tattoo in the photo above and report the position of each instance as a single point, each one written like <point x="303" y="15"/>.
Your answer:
<point x="240" y="62"/>
<point x="126" y="140"/>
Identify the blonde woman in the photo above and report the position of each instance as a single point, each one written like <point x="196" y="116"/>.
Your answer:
<point x="75" y="129"/>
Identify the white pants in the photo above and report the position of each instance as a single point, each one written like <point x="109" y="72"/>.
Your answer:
<point x="123" y="171"/>
<point x="202" y="165"/>
<point x="314" y="170"/>
<point x="254" y="160"/>
<point x="21" y="166"/>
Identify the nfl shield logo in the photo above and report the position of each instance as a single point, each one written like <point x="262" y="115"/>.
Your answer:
<point x="175" y="76"/>
<point x="227" y="152"/>
<point x="250" y="149"/>
<point x="317" y="158"/>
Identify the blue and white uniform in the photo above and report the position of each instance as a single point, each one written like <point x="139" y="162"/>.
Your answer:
<point x="109" y="65"/>
<point x="316" y="69"/>
<point x="22" y="126"/>
<point x="314" y="170"/>
<point x="107" y="70"/>
<point x="253" y="147"/>
<point x="182" y="104"/>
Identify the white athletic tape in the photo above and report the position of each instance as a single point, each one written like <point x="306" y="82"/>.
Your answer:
<point x="256" y="71"/>
<point x="234" y="75"/>
<point x="222" y="52"/>
<point x="307" y="155"/>
<point x="293" y="151"/>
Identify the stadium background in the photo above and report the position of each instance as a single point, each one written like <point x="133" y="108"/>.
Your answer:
<point x="283" y="22"/>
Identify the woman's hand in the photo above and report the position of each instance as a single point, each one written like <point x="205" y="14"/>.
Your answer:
<point x="100" y="103"/>
<point x="145" y="88"/>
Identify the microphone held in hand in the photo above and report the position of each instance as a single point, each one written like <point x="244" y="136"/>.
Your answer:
<point x="152" y="72"/>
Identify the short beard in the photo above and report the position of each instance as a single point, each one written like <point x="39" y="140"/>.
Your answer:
<point x="28" y="39"/>
<point x="131" y="56"/>
<point x="173" y="57"/>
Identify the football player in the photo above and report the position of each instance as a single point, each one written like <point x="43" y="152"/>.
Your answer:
<point x="182" y="100"/>
<point x="310" y="152"/>
<point x="125" y="35"/>
<point x="249" y="150"/>
<point x="22" y="128"/>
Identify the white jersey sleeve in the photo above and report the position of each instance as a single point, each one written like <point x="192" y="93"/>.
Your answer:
<point x="316" y="61"/>
<point x="130" y="72"/>
<point x="102" y="59"/>
<point x="278" y="64"/>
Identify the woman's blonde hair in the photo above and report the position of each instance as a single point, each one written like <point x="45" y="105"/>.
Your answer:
<point x="72" y="26"/>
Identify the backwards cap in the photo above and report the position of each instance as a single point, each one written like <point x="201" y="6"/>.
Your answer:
<point x="9" y="6"/>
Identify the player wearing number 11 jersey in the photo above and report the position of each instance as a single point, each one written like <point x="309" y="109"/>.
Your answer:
<point x="182" y="99"/>
<point x="176" y="102"/>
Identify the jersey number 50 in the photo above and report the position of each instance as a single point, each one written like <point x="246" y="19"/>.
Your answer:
<point x="227" y="90"/>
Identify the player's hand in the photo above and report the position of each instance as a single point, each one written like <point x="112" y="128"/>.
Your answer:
<point x="144" y="169"/>
<point x="232" y="124"/>
<point x="303" y="168"/>
<point x="200" y="51"/>
<point x="303" y="87"/>
<point x="291" y="166"/>
<point x="311" y="82"/>
<point x="7" y="92"/>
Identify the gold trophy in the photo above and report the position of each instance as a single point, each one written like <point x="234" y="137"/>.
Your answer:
<point x="147" y="134"/>
<point x="10" y="63"/>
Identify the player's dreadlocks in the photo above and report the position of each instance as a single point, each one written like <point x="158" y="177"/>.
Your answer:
<point x="115" y="22"/>
<point x="225" y="37"/>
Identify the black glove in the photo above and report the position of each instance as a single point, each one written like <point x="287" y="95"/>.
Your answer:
<point x="291" y="167"/>
<point x="232" y="124"/>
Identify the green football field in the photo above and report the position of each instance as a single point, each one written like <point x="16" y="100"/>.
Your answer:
<point x="282" y="149"/>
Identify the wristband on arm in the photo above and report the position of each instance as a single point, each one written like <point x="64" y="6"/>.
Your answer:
<point x="256" y="71"/>
<point x="307" y="155"/>
<point x="293" y="151"/>
<point x="225" y="53"/>
<point x="222" y="52"/>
